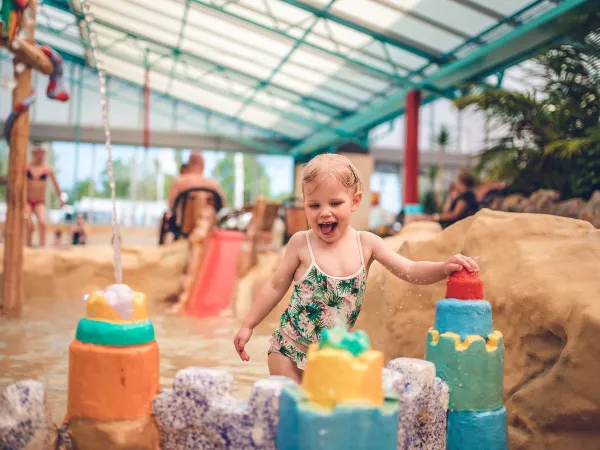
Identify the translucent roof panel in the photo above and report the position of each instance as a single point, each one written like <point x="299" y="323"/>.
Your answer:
<point x="295" y="67"/>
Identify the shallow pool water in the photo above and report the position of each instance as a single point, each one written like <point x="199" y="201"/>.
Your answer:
<point x="36" y="346"/>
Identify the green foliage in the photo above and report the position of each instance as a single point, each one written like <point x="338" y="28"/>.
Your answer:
<point x="553" y="135"/>
<point x="256" y="181"/>
<point x="443" y="138"/>
<point x="429" y="203"/>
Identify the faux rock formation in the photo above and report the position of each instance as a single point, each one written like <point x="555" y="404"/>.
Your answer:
<point x="25" y="418"/>
<point x="56" y="274"/>
<point x="423" y="401"/>
<point x="200" y="412"/>
<point x="547" y="201"/>
<point x="540" y="275"/>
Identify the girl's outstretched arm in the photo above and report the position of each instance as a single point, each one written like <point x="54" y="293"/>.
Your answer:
<point x="270" y="294"/>
<point x="416" y="272"/>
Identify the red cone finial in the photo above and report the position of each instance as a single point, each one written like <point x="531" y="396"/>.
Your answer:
<point x="464" y="285"/>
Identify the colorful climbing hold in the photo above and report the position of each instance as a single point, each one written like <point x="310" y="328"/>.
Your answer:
<point x="56" y="89"/>
<point x="15" y="113"/>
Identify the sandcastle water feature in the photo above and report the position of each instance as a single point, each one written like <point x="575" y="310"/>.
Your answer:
<point x="347" y="398"/>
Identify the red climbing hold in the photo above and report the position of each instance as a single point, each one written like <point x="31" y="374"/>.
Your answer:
<point x="464" y="285"/>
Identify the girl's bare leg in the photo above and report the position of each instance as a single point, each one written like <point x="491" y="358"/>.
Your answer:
<point x="280" y="365"/>
<point x="29" y="225"/>
<point x="40" y="213"/>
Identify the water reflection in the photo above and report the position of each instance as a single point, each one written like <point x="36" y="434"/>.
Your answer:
<point x="36" y="346"/>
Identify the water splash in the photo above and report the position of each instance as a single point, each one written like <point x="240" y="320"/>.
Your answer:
<point x="89" y="18"/>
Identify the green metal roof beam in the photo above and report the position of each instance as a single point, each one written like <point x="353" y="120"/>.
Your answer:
<point x="177" y="54"/>
<point x="290" y="25"/>
<point x="382" y="74"/>
<point x="176" y="50"/>
<point x="429" y="21"/>
<point x="376" y="33"/>
<point x="283" y="60"/>
<point x="327" y="36"/>
<point x="221" y="50"/>
<point x="293" y="117"/>
<point x="512" y="19"/>
<point x="481" y="62"/>
<point x="247" y="142"/>
<point x="475" y="39"/>
<point x="484" y="10"/>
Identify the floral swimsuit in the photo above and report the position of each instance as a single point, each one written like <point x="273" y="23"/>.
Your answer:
<point x="319" y="302"/>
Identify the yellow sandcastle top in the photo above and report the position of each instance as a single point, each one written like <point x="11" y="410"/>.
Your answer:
<point x="117" y="303"/>
<point x="491" y="344"/>
<point x="343" y="368"/>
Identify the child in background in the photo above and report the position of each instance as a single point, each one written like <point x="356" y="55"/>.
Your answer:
<point x="57" y="239"/>
<point x="328" y="267"/>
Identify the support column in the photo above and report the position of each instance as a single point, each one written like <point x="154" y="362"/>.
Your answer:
<point x="411" y="154"/>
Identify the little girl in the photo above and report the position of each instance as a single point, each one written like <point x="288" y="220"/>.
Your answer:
<point x="328" y="267"/>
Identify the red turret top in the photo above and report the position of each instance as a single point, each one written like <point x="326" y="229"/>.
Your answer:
<point x="464" y="285"/>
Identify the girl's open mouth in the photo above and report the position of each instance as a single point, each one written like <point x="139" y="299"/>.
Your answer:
<point x="328" y="227"/>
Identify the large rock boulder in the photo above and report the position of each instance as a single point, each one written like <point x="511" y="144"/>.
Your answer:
<point x="70" y="273"/>
<point x="540" y="274"/>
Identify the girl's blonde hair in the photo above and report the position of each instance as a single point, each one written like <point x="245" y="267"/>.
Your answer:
<point x="333" y="165"/>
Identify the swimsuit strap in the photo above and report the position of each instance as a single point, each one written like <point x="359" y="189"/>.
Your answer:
<point x="312" y="255"/>
<point x="362" y="258"/>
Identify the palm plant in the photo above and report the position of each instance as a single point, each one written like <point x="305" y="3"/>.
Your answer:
<point x="553" y="138"/>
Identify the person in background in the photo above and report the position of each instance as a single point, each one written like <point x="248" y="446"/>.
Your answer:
<point x="193" y="177"/>
<point x="58" y="243"/>
<point x="79" y="231"/>
<point x="38" y="172"/>
<point x="463" y="205"/>
<point x="452" y="194"/>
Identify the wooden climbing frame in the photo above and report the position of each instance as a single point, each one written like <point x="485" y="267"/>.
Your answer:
<point x="27" y="57"/>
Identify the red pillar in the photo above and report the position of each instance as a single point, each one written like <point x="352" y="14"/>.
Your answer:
<point x="411" y="152"/>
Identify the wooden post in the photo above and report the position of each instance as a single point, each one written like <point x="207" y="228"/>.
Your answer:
<point x="12" y="292"/>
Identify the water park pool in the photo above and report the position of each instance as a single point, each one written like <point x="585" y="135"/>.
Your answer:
<point x="36" y="346"/>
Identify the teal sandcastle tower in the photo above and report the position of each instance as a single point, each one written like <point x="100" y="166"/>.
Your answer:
<point x="469" y="356"/>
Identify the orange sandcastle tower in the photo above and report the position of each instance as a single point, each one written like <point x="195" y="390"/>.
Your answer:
<point x="113" y="371"/>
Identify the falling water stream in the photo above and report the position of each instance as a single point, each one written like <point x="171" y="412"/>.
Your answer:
<point x="116" y="238"/>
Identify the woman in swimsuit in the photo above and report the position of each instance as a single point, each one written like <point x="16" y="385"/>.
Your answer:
<point x="37" y="174"/>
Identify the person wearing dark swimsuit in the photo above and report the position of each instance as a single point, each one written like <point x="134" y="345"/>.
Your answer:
<point x="463" y="205"/>
<point x="79" y="231"/>
<point x="37" y="174"/>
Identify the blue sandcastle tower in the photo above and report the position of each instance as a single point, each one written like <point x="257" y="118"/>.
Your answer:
<point x="469" y="356"/>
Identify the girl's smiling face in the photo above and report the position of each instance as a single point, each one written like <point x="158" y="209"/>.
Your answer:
<point x="329" y="205"/>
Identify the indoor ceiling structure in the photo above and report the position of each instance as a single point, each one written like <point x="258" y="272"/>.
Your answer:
<point x="315" y="73"/>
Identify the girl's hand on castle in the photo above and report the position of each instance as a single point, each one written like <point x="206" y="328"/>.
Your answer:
<point x="459" y="262"/>
<point x="240" y="340"/>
